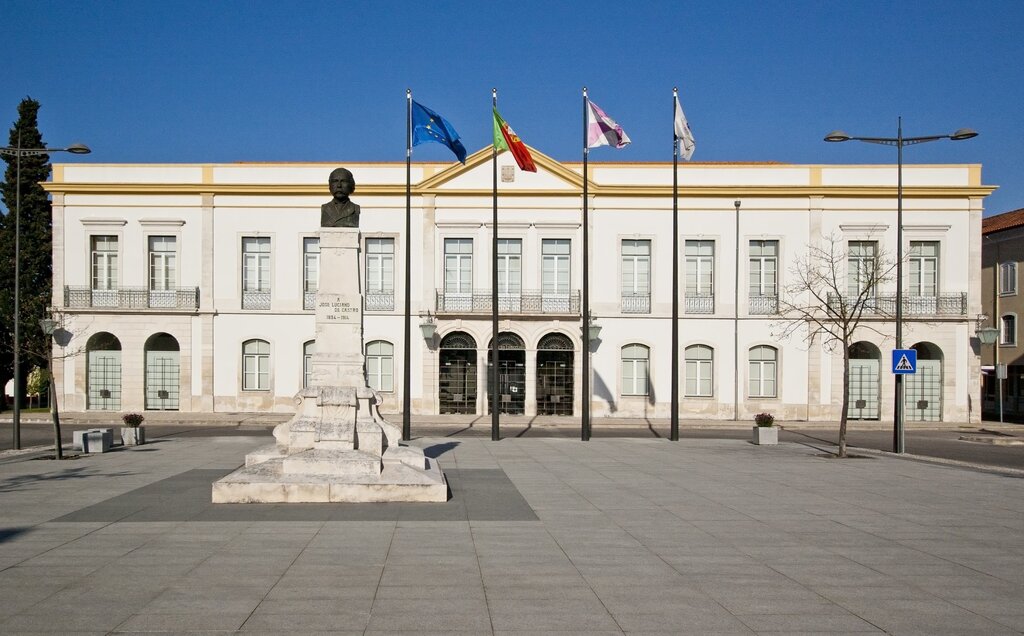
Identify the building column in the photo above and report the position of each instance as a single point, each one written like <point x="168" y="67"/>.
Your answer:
<point x="531" y="382"/>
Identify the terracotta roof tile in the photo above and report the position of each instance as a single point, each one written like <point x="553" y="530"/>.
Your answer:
<point x="1004" y="221"/>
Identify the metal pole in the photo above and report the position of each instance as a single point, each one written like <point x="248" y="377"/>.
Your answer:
<point x="407" y="371"/>
<point x="585" y="428"/>
<point x="16" y="415"/>
<point x="898" y="406"/>
<point x="674" y="424"/>
<point x="999" y="381"/>
<point x="736" y="325"/>
<point x="495" y="430"/>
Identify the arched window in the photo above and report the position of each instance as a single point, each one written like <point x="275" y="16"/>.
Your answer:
<point x="763" y="362"/>
<point x="256" y="365"/>
<point x="1008" y="331"/>
<point x="308" y="349"/>
<point x="699" y="370"/>
<point x="380" y="364"/>
<point x="635" y="366"/>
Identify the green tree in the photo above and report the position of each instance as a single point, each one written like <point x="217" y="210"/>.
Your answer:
<point x="35" y="249"/>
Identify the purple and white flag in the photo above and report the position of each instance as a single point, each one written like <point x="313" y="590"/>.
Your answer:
<point x="602" y="129"/>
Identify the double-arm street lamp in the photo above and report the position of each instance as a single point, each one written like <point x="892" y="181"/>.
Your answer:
<point x="18" y="152"/>
<point x="899" y="141"/>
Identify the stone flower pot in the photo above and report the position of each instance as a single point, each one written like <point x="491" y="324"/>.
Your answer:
<point x="766" y="435"/>
<point x="133" y="435"/>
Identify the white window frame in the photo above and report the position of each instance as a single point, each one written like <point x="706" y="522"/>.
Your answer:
<point x="510" y="266"/>
<point x="698" y="264"/>
<point x="1008" y="278"/>
<point x="380" y="366"/>
<point x="756" y="372"/>
<point x="255" y="365"/>
<point x="463" y="265"/>
<point x="917" y="267"/>
<point x="758" y="266"/>
<point x="631" y="380"/>
<point x="699" y="371"/>
<point x="261" y="259"/>
<point x="163" y="263"/>
<point x="632" y="264"/>
<point x="860" y="269"/>
<point x="104" y="264"/>
<point x="308" y="351"/>
<point x="1008" y="330"/>
<point x="310" y="264"/>
<point x="380" y="265"/>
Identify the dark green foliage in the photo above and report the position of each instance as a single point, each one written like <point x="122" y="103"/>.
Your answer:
<point x="35" y="250"/>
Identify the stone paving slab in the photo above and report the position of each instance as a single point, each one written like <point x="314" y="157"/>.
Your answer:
<point x="551" y="536"/>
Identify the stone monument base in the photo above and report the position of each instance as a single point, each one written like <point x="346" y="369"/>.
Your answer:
<point x="336" y="449"/>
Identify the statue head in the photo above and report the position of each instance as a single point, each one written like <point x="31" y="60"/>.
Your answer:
<point x="341" y="183"/>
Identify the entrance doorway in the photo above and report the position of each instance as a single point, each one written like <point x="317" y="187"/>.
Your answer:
<point x="457" y="374"/>
<point x="511" y="374"/>
<point x="923" y="389"/>
<point x="103" y="372"/>
<point x="163" y="376"/>
<point x="865" y="362"/>
<point x="554" y="375"/>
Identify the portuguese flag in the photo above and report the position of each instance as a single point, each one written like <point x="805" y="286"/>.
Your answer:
<point x="506" y="139"/>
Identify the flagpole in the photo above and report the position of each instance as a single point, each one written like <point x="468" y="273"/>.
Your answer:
<point x="674" y="428"/>
<point x="495" y="427"/>
<point x="585" y="427"/>
<point x="407" y="371"/>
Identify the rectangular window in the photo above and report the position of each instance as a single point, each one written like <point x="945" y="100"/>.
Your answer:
<point x="510" y="275"/>
<point x="635" y="367"/>
<point x="256" y="273"/>
<point x="380" y="274"/>
<point x="163" y="256"/>
<point x="555" y="275"/>
<point x="310" y="271"/>
<point x="104" y="262"/>
<point x="924" y="268"/>
<point x="636" y="276"/>
<point x="862" y="260"/>
<point x="380" y="362"/>
<point x="458" y="274"/>
<point x="763" y="276"/>
<point x="699" y="369"/>
<point x="700" y="276"/>
<point x="1008" y="278"/>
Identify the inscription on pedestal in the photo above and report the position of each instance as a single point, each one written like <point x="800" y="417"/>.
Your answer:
<point x="337" y="308"/>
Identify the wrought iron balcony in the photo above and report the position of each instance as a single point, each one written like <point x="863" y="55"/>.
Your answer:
<point x="763" y="305"/>
<point x="380" y="300"/>
<point x="699" y="303"/>
<point x="309" y="300"/>
<point x="524" y="303"/>
<point x="636" y="302"/>
<point x="941" y="305"/>
<point x="76" y="297"/>
<point x="259" y="300"/>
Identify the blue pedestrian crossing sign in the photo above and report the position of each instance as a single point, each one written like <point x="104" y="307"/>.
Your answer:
<point x="904" y="361"/>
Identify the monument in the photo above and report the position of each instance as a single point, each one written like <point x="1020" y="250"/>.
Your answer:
<point x="337" y="447"/>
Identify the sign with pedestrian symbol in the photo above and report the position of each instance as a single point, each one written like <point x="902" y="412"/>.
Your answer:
<point x="904" y="361"/>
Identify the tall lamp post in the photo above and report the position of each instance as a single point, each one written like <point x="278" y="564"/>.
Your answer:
<point x="988" y="336"/>
<point x="899" y="141"/>
<point x="49" y="325"/>
<point x="18" y="152"/>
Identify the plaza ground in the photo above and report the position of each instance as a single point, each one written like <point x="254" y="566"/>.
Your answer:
<point x="634" y="535"/>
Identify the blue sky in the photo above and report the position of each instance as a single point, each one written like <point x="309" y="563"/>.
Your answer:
<point x="309" y="81"/>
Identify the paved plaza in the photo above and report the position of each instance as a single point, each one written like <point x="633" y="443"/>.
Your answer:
<point x="545" y="535"/>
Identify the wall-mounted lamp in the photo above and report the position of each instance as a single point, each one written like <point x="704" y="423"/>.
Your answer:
<point x="593" y="329"/>
<point x="429" y="328"/>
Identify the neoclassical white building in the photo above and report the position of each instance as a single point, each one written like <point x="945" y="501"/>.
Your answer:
<point x="190" y="287"/>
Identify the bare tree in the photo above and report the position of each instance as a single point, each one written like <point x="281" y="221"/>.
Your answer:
<point x="832" y="296"/>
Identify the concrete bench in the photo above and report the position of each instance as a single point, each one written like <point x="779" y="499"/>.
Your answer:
<point x="93" y="440"/>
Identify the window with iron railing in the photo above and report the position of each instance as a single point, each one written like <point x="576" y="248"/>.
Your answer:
<point x="310" y="271"/>
<point x="764" y="277"/>
<point x="636" y="276"/>
<point x="700" y="277"/>
<point x="256" y="273"/>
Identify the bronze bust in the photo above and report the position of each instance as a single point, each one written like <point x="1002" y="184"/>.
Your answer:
<point x="340" y="211"/>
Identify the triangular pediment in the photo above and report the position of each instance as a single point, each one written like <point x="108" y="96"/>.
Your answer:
<point x="477" y="176"/>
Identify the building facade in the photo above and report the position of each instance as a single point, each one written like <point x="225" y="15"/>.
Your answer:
<point x="191" y="287"/>
<point x="1002" y="251"/>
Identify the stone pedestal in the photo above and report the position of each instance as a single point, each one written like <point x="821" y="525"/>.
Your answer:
<point x="337" y="447"/>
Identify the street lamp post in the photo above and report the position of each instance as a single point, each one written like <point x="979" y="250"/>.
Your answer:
<point x="988" y="336"/>
<point x="18" y="152"/>
<point x="49" y="325"/>
<point x="899" y="141"/>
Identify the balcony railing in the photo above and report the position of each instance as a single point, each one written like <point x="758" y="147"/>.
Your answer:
<point x="131" y="298"/>
<point x="383" y="300"/>
<point x="636" y="302"/>
<point x="763" y="305"/>
<point x="941" y="305"/>
<point x="699" y="303"/>
<point x="526" y="302"/>
<point x="309" y="300"/>
<point x="259" y="300"/>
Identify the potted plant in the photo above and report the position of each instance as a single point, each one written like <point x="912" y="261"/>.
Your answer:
<point x="132" y="433"/>
<point x="765" y="432"/>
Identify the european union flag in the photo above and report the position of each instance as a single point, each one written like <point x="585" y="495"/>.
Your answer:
<point x="429" y="126"/>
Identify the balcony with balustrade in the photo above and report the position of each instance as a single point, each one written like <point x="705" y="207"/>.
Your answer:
<point x="636" y="302"/>
<point x="763" y="305"/>
<point x="178" y="298"/>
<point x="699" y="303"/>
<point x="256" y="300"/>
<point x="941" y="305"/>
<point x="533" y="303"/>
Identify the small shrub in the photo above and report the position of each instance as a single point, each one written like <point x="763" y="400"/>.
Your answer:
<point x="764" y="419"/>
<point x="132" y="419"/>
